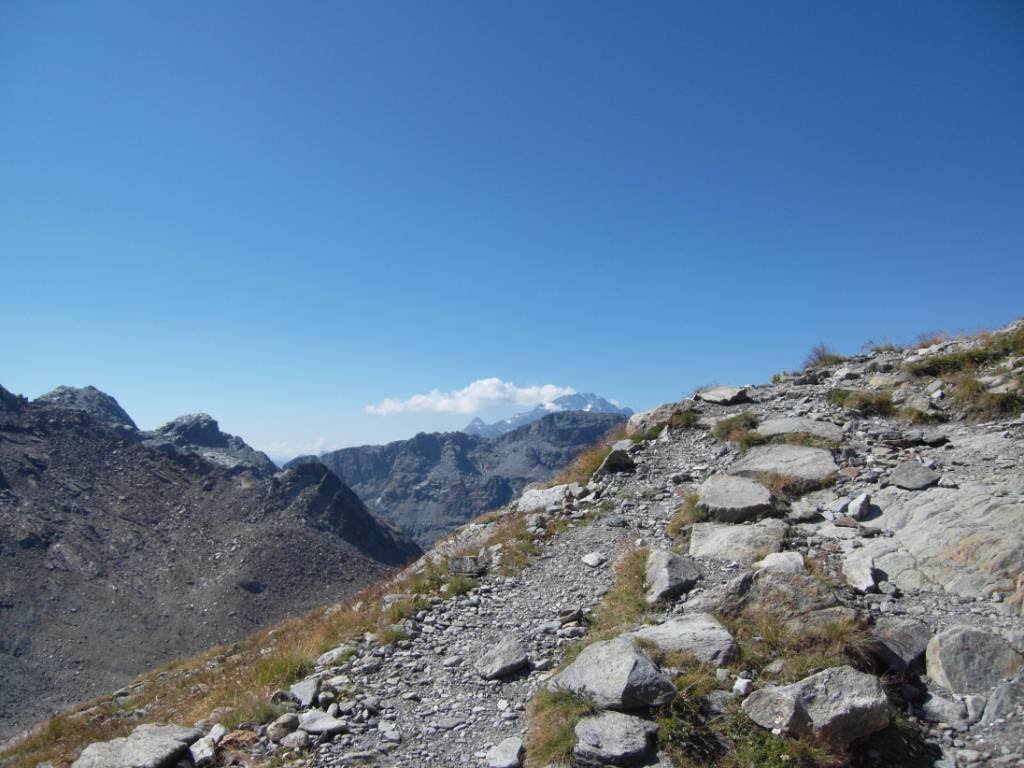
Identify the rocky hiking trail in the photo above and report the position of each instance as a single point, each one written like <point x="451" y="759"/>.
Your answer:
<point x="825" y="570"/>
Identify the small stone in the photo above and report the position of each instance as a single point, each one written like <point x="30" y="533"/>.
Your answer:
<point x="507" y="754"/>
<point x="612" y="738"/>
<point x="669" y="575"/>
<point x="503" y="659"/>
<point x="913" y="476"/>
<point x="594" y="559"/>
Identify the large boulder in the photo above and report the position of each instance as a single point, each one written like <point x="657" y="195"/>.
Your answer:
<point x="612" y="738"/>
<point x="913" y="476"/>
<point x="503" y="659"/>
<point x="669" y="575"/>
<point x="699" y="635"/>
<point x="723" y="395"/>
<point x="970" y="660"/>
<point x="617" y="460"/>
<point x="811" y="465"/>
<point x="148" y="746"/>
<point x="737" y="543"/>
<point x="838" y="705"/>
<point x="732" y="499"/>
<point x="900" y="643"/>
<point x="799" y="425"/>
<point x="616" y="675"/>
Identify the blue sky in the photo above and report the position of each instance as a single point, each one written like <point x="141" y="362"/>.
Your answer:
<point x="281" y="213"/>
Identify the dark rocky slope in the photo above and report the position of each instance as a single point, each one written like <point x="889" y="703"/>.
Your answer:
<point x="115" y="557"/>
<point x="436" y="481"/>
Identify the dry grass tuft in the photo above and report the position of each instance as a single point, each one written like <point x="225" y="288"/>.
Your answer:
<point x="822" y="356"/>
<point x="686" y="515"/>
<point x="553" y="716"/>
<point x="866" y="403"/>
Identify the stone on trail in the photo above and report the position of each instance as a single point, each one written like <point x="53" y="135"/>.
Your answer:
<point x="698" y="634"/>
<point x="669" y="575"/>
<point x="859" y="571"/>
<point x="969" y="660"/>
<point x="900" y="643"/>
<point x="732" y="499"/>
<point x="507" y="754"/>
<point x="740" y="543"/>
<point x="812" y="465"/>
<point x="913" y="476"/>
<point x="617" y="460"/>
<point x="839" y="705"/>
<point x="860" y="507"/>
<point x="799" y="425"/>
<point x="148" y="746"/>
<point x="594" y="559"/>
<point x="723" y="395"/>
<point x="320" y="723"/>
<point x="506" y="657"/>
<point x="612" y="738"/>
<point x="331" y="656"/>
<point x="282" y="726"/>
<point x="616" y="675"/>
<point x="305" y="691"/>
<point x="1006" y="699"/>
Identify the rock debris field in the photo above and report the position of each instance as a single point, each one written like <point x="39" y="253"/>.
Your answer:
<point x="815" y="512"/>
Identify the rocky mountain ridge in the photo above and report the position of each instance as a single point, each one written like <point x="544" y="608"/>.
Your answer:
<point x="580" y="401"/>
<point x="117" y="556"/>
<point x="434" y="482"/>
<point x="825" y="570"/>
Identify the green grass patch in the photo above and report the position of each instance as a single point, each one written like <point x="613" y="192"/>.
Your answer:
<point x="737" y="429"/>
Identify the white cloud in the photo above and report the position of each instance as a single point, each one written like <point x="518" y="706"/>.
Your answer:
<point x="481" y="394"/>
<point x="282" y="449"/>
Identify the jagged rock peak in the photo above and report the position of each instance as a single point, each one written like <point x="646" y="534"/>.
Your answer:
<point x="587" y="402"/>
<point x="201" y="434"/>
<point x="96" y="403"/>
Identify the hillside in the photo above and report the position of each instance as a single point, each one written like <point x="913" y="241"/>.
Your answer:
<point x="825" y="570"/>
<point x="434" y="482"/>
<point x="117" y="557"/>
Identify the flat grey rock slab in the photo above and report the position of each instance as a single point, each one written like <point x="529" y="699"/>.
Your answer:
<point x="698" y="634"/>
<point x="786" y="562"/>
<point x="669" y="575"/>
<point x="723" y="395"/>
<point x="970" y="660"/>
<point x="507" y="754"/>
<point x="813" y="465"/>
<point x="506" y="657"/>
<point x="913" y="476"/>
<point x="148" y="746"/>
<point x="737" y="543"/>
<point x="319" y="723"/>
<point x="799" y="425"/>
<point x="616" y="675"/>
<point x="612" y="738"/>
<point x="838" y="705"/>
<point x="733" y="499"/>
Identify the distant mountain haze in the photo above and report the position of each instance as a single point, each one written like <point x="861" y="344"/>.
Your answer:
<point x="582" y="401"/>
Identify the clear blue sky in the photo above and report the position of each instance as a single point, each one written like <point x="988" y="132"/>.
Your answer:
<point x="280" y="213"/>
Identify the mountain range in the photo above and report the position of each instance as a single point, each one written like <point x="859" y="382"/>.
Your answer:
<point x="581" y="401"/>
<point x="124" y="549"/>
<point x="436" y="481"/>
